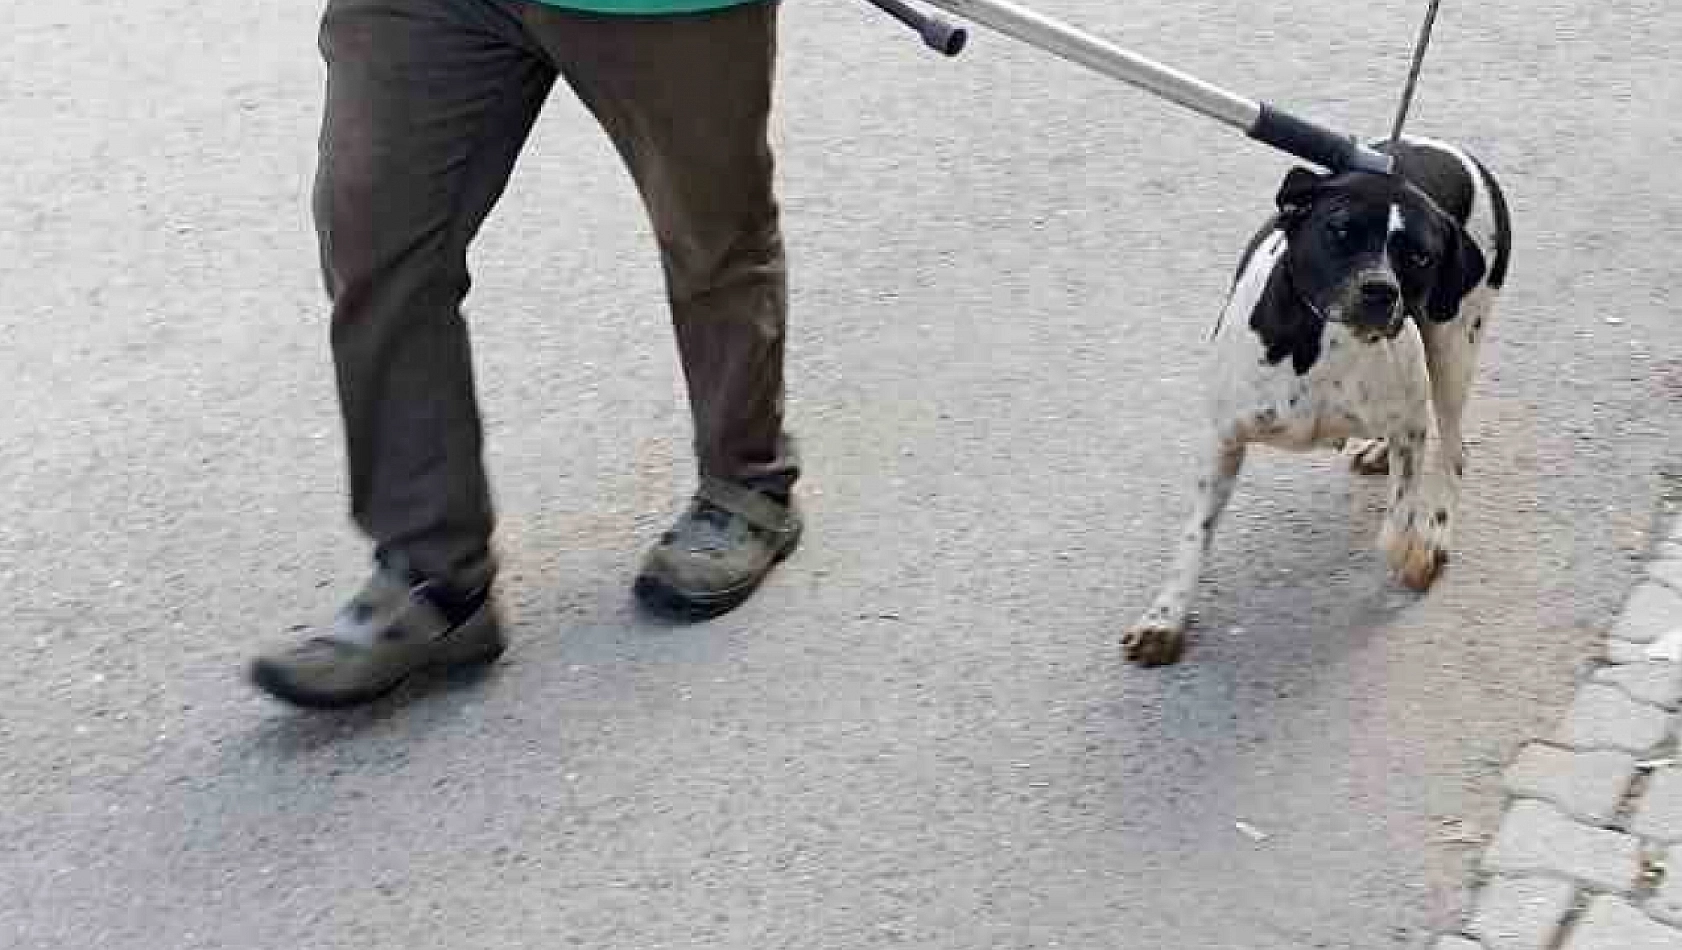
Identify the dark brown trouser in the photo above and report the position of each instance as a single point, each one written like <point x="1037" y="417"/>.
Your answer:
<point x="429" y="103"/>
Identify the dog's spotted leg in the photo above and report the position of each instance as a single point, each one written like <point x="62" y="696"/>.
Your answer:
<point x="1416" y="528"/>
<point x="1158" y="637"/>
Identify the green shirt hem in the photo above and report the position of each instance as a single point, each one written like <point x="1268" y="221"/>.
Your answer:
<point x="644" y="7"/>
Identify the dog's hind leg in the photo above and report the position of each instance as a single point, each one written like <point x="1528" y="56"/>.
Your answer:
<point x="1158" y="637"/>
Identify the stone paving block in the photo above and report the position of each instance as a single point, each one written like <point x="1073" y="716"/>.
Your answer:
<point x="1585" y="784"/>
<point x="1659" y="816"/>
<point x="1612" y="924"/>
<point x="1651" y="611"/>
<point x="1522" y="913"/>
<point x="1668" y="571"/>
<point x="1650" y="682"/>
<point x="1536" y="839"/>
<point x="1603" y="717"/>
<point x="1455" y="943"/>
<point x="1623" y="652"/>
<point x="1666" y="905"/>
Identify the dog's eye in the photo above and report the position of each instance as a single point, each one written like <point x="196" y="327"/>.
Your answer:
<point x="1339" y="230"/>
<point x="1421" y="259"/>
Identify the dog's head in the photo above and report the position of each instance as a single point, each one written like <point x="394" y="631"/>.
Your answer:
<point x="1369" y="250"/>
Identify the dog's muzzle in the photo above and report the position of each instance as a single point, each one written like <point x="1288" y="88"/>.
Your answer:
<point x="1377" y="304"/>
<point x="1372" y="307"/>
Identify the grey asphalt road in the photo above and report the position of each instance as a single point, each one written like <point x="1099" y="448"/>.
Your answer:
<point x="922" y="733"/>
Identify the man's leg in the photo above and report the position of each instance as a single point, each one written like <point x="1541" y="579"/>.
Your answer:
<point x="428" y="104"/>
<point x="686" y="100"/>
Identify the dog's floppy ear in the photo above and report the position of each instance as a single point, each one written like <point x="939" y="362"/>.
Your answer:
<point x="1461" y="269"/>
<point x="1296" y="195"/>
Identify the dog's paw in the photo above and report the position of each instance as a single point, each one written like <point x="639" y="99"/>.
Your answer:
<point x="1369" y="456"/>
<point x="1155" y="641"/>
<point x="1416" y="544"/>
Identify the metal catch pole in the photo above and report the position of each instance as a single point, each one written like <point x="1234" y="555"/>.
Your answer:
<point x="1260" y="121"/>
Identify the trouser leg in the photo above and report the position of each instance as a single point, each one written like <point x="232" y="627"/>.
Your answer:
<point x="686" y="101"/>
<point x="428" y="105"/>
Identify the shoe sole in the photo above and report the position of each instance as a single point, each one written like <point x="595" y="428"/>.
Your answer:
<point x="460" y="647"/>
<point x="663" y="598"/>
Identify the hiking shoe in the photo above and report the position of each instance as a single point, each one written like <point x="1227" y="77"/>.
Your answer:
<point x="394" y="627"/>
<point x="718" y="552"/>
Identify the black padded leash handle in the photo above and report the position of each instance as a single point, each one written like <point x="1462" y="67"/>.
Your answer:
<point x="1315" y="143"/>
<point x="937" y="34"/>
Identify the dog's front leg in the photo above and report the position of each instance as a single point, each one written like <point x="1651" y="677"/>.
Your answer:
<point x="1451" y="353"/>
<point x="1416" y="528"/>
<point x="1158" y="638"/>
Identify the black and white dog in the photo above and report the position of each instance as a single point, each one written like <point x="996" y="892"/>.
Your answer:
<point x="1356" y="311"/>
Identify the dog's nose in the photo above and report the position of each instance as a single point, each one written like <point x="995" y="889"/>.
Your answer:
<point x="1379" y="295"/>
